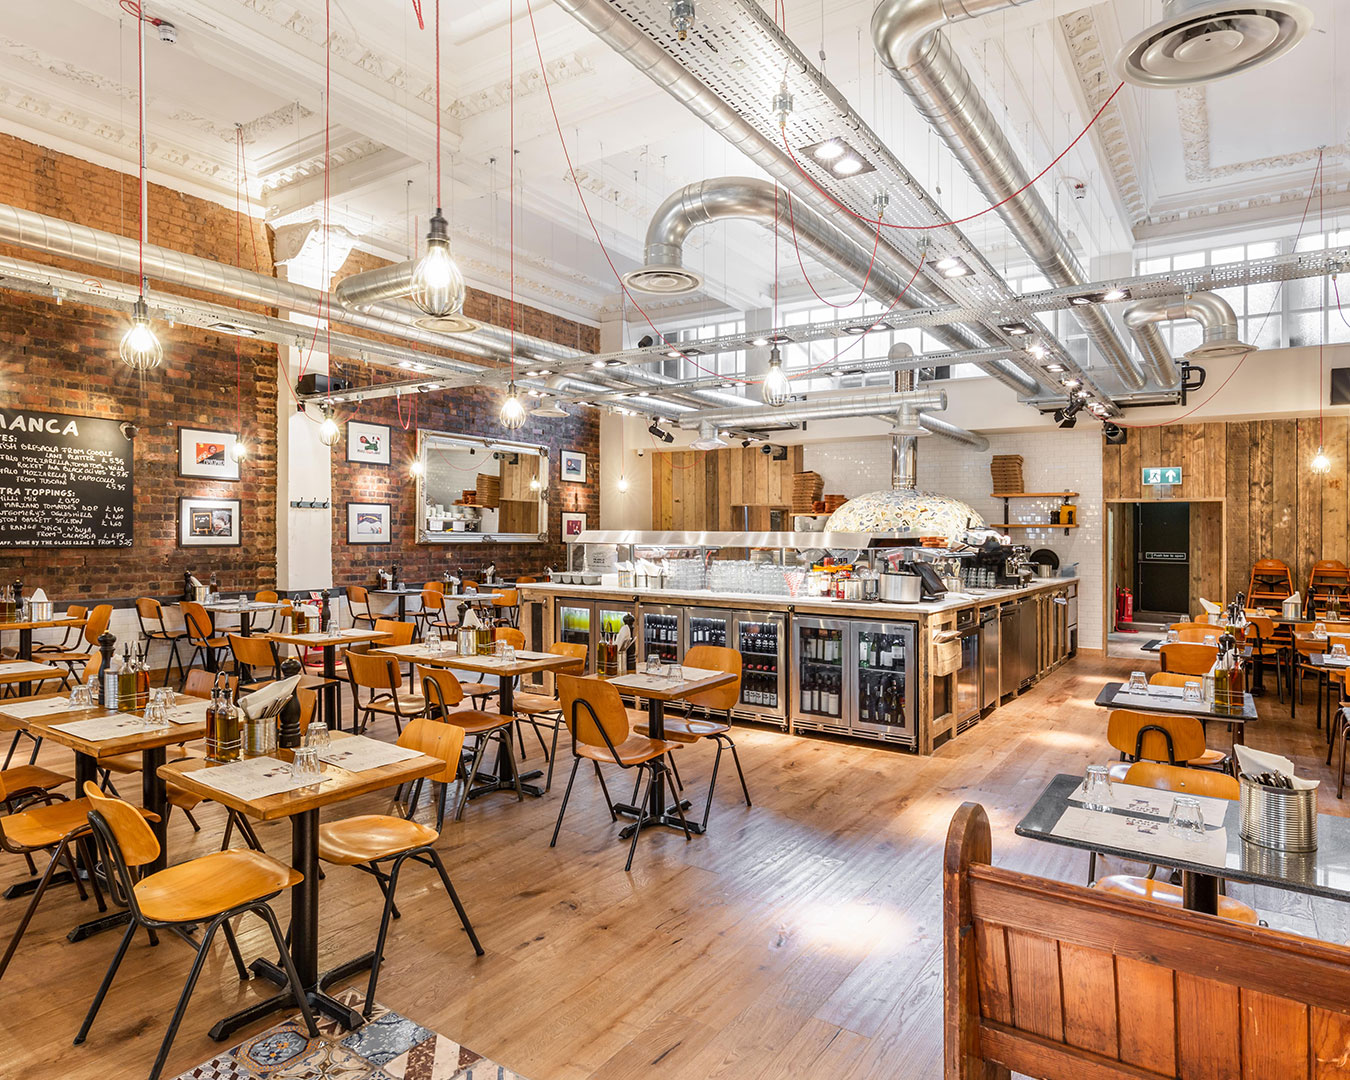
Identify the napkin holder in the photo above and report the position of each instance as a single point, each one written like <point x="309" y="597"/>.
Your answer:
<point x="39" y="607"/>
<point x="1292" y="607"/>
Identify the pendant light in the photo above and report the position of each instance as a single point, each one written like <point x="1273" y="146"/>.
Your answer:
<point x="776" y="388"/>
<point x="437" y="284"/>
<point x="239" y="450"/>
<point x="622" y="485"/>
<point x="513" y="410"/>
<point x="1320" y="462"/>
<point x="140" y="348"/>
<point x="328" y="430"/>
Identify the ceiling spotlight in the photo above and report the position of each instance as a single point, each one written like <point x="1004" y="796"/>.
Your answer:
<point x="437" y="284"/>
<point x="839" y="157"/>
<point x="674" y="354"/>
<point x="611" y="363"/>
<point x="1320" y="462"/>
<point x="1113" y="295"/>
<point x="512" y="414"/>
<point x="829" y="150"/>
<point x="776" y="389"/>
<point x="661" y="433"/>
<point x="1038" y="353"/>
<point x="709" y="438"/>
<point x="328" y="430"/>
<point x="952" y="267"/>
<point x="1054" y="369"/>
<point x="1114" y="433"/>
<point x="405" y="364"/>
<point x="947" y="263"/>
<point x="140" y="348"/>
<point x="759" y="342"/>
<point x="597" y="363"/>
<point x="1070" y="383"/>
<point x="1015" y="329"/>
<point x="848" y="166"/>
<point x="1081" y="301"/>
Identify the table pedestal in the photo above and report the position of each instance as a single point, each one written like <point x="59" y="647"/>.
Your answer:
<point x="504" y="780"/>
<point x="657" y="811"/>
<point x="1200" y="892"/>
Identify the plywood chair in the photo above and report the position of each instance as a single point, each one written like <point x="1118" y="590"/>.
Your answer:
<point x="1196" y="633"/>
<point x="1188" y="658"/>
<point x="1267" y="646"/>
<point x="150" y="616"/>
<point x="212" y="889"/>
<point x="202" y="636"/>
<point x="380" y="677"/>
<point x="1170" y="678"/>
<point x="432" y="613"/>
<point x="442" y="692"/>
<point x="720" y="699"/>
<point x="94" y="628"/>
<point x="594" y="714"/>
<point x="69" y="638"/>
<point x="267" y="596"/>
<point x="1176" y="740"/>
<point x="540" y="709"/>
<point x="358" y="604"/>
<point x="506" y="608"/>
<point x="371" y="840"/>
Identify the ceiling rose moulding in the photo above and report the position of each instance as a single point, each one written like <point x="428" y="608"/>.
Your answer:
<point x="1083" y="39"/>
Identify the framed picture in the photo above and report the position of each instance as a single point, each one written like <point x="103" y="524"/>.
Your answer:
<point x="206" y="522"/>
<point x="367" y="443"/>
<point x="368" y="523"/>
<point x="207" y="455"/>
<point x="573" y="525"/>
<point x="574" y="467"/>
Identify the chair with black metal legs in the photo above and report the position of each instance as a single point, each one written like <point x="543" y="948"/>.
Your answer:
<point x="150" y="614"/>
<point x="94" y="626"/>
<point x="380" y="677"/>
<point x="371" y="839"/>
<point x="536" y="709"/>
<point x="202" y="636"/>
<point x="720" y="699"/>
<point x="595" y="715"/>
<point x="212" y="889"/>
<point x="67" y="642"/>
<point x="441" y="690"/>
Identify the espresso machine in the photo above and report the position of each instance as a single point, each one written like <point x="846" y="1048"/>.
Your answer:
<point x="1010" y="564"/>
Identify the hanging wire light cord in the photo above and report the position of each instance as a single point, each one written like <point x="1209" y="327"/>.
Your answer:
<point x="955" y="221"/>
<point x="1279" y="292"/>
<point x="571" y="171"/>
<point x="862" y="289"/>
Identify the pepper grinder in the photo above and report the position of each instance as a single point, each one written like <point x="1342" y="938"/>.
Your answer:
<point x="107" y="646"/>
<point x="288" y="720"/>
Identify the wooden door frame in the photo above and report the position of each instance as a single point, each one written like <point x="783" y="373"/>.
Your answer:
<point x="1108" y="597"/>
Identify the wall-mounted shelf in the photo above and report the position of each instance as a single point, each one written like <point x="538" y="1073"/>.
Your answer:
<point x="1030" y="525"/>
<point x="1008" y="496"/>
<point x="1035" y="495"/>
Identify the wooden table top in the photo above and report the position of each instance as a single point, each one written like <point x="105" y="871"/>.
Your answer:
<point x="524" y="663"/>
<point x="227" y="606"/>
<point x="16" y="671"/>
<point x="41" y="624"/>
<point x="344" y="637"/>
<point x="666" y="688"/>
<point x="131" y="743"/>
<point x="338" y="784"/>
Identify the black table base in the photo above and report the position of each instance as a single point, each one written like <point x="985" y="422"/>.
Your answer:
<point x="503" y="779"/>
<point x="319" y="999"/>
<point x="1199" y="892"/>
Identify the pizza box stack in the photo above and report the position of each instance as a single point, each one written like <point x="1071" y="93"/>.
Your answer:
<point x="806" y="489"/>
<point x="1006" y="470"/>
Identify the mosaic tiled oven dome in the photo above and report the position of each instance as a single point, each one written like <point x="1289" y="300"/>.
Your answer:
<point x="901" y="511"/>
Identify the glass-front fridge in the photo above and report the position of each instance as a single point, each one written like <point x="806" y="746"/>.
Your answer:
<point x="820" y="689"/>
<point x="707" y="626"/>
<point x="584" y="621"/>
<point x="662" y="632"/>
<point x="761" y="640"/>
<point x="883" y="667"/>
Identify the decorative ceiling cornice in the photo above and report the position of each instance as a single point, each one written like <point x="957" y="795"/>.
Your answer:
<point x="1083" y="38"/>
<point x="560" y="70"/>
<point x="348" y="152"/>
<point x="90" y="81"/>
<point x="1193" y="115"/>
<point x="285" y="116"/>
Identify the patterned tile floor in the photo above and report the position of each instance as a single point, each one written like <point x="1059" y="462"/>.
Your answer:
<point x="388" y="1047"/>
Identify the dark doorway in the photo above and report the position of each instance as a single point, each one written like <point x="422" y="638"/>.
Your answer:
<point x="1162" y="533"/>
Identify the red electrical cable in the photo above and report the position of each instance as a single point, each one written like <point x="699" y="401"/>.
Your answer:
<point x="140" y="143"/>
<point x="438" y="99"/>
<point x="862" y="291"/>
<point x="1322" y="344"/>
<point x="417" y="10"/>
<point x="1260" y="330"/>
<point x="511" y="173"/>
<point x="955" y="221"/>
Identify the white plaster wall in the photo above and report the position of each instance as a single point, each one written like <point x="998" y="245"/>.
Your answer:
<point x="1052" y="460"/>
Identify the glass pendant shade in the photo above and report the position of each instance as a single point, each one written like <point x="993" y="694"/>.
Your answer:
<point x="328" y="430"/>
<point x="239" y="450"/>
<point x="513" y="412"/>
<point x="437" y="284"/>
<point x="623" y="484"/>
<point x="776" y="388"/>
<point x="140" y="348"/>
<point x="1320" y="462"/>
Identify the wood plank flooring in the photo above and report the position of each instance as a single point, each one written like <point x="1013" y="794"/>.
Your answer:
<point x="800" y="938"/>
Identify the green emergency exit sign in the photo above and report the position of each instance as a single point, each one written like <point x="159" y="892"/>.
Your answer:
<point x="1167" y="474"/>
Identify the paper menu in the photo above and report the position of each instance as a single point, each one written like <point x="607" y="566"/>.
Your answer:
<point x="102" y="728"/>
<point x="31" y="710"/>
<point x="1147" y="838"/>
<point x="252" y="778"/>
<point x="359" y="754"/>
<point x="1155" y="801"/>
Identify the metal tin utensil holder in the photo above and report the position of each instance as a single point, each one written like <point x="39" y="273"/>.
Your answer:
<point x="1281" y="818"/>
<point x="40" y="610"/>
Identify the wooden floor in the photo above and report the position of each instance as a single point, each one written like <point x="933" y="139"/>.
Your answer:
<point x="801" y="938"/>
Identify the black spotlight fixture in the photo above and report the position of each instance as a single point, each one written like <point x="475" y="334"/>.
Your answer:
<point x="659" y="432"/>
<point x="646" y="341"/>
<point x="1067" y="417"/>
<point x="1114" y="433"/>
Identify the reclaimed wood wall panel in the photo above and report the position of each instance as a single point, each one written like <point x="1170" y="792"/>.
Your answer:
<point x="694" y="490"/>
<point x="1274" y="506"/>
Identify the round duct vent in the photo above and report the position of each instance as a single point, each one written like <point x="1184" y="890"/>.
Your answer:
<point x="1199" y="42"/>
<point x="550" y="409"/>
<point x="663" y="280"/>
<point x="1213" y="350"/>
<point x="449" y="324"/>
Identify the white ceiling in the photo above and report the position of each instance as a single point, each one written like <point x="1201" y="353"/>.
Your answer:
<point x="1244" y="148"/>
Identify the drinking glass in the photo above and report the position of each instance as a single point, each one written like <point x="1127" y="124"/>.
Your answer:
<point x="1338" y="651"/>
<point x="305" y="764"/>
<point x="1097" y="788"/>
<point x="1187" y="820"/>
<point x="243" y="599"/>
<point x="82" y="696"/>
<point x="1211" y="640"/>
<point x="1192" y="691"/>
<point x="653" y="664"/>
<point x="433" y="642"/>
<point x="1320" y="630"/>
<point x="317" y="736"/>
<point x="1172" y="637"/>
<point x="1138" y="683"/>
<point x="156" y="716"/>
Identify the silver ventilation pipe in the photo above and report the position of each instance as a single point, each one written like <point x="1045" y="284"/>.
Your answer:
<point x="936" y="426"/>
<point x="908" y="37"/>
<point x="610" y="26"/>
<point x="825" y="407"/>
<point x="1215" y="316"/>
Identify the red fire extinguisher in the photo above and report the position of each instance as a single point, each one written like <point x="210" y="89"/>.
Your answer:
<point x="1124" y="607"/>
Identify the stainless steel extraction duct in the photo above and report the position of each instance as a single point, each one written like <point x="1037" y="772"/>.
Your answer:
<point x="643" y="53"/>
<point x="1215" y="316"/>
<point x="822" y="407"/>
<point x="908" y="38"/>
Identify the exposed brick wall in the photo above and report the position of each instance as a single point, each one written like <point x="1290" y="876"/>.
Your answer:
<point x="470" y="412"/>
<point x="64" y="358"/>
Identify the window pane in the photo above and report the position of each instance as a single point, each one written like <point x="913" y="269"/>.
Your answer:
<point x="1305" y="328"/>
<point x="1186" y="337"/>
<point x="1263" y="251"/>
<point x="1236" y="297"/>
<point x="1227" y="255"/>
<point x="1189" y="261"/>
<point x="1260" y="298"/>
<point x="1270" y="336"/>
<point x="1155" y="266"/>
<point x="1305" y="292"/>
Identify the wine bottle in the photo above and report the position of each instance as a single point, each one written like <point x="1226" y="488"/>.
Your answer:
<point x="142" y="679"/>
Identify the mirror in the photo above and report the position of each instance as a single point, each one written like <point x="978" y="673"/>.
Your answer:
<point x="472" y="490"/>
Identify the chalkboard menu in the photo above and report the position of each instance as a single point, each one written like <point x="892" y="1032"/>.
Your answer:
<point x="65" y="481"/>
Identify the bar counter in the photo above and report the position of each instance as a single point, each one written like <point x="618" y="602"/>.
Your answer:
<point x="910" y="675"/>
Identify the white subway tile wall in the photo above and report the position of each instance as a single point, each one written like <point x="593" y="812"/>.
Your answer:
<point x="1051" y="461"/>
